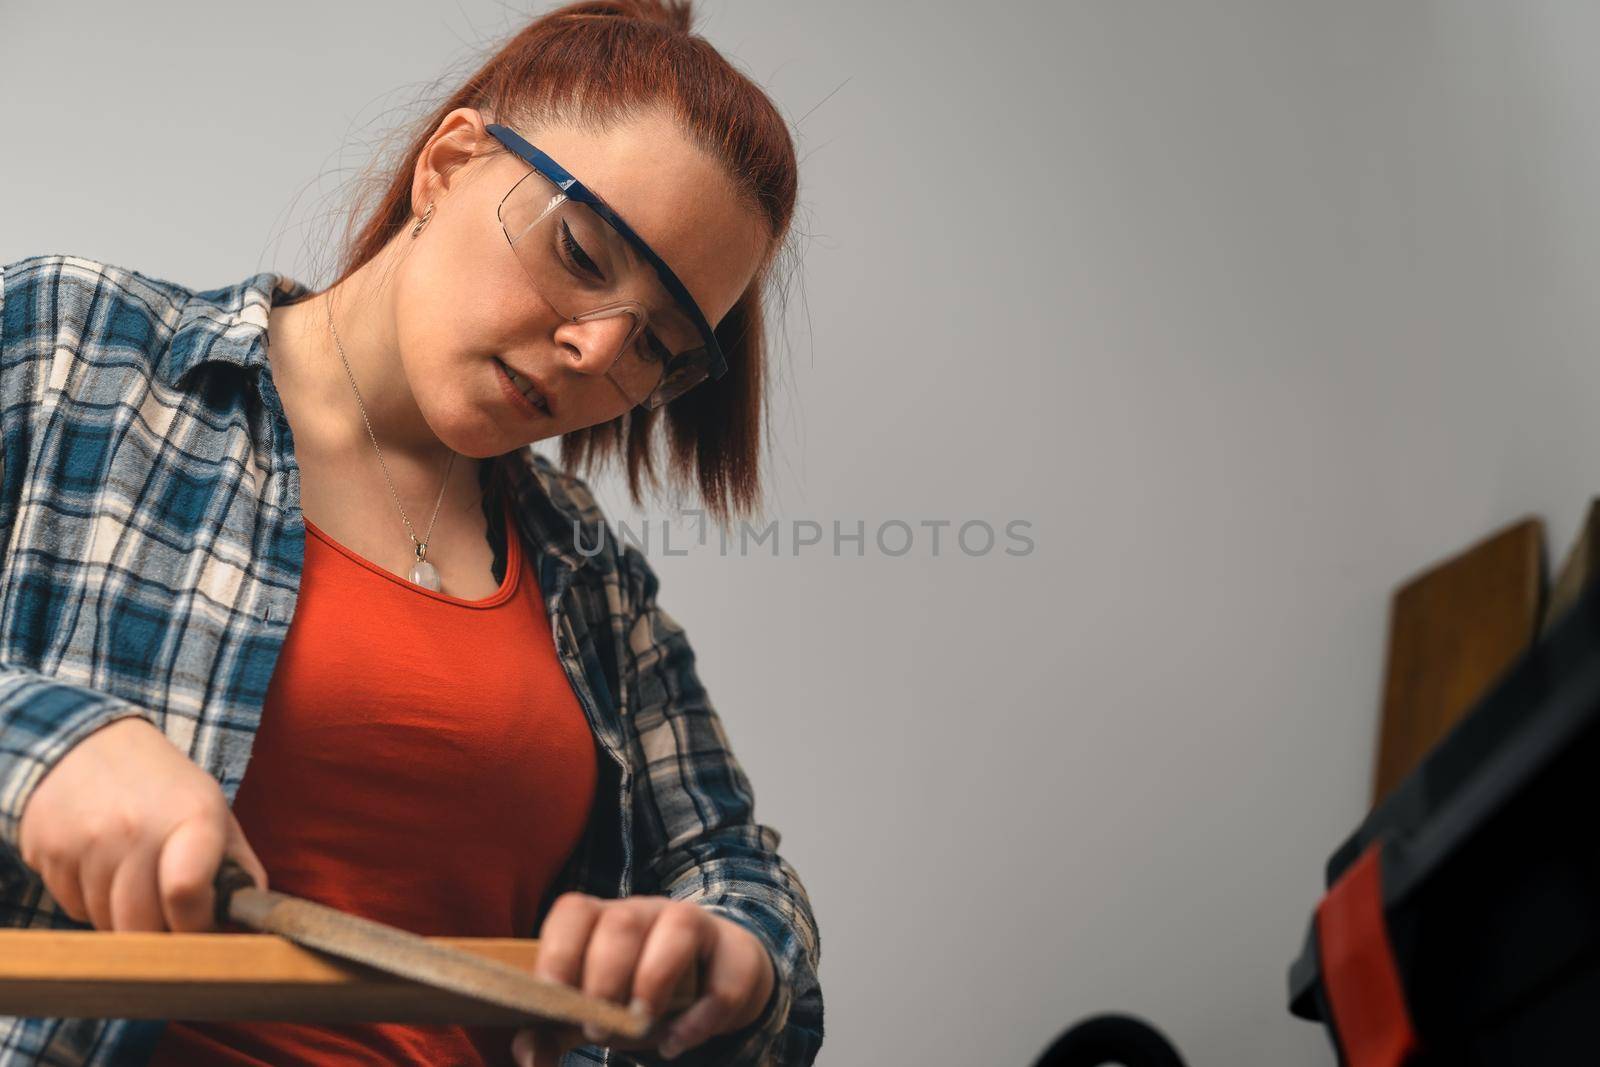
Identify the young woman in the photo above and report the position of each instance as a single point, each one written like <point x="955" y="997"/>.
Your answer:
<point x="283" y="581"/>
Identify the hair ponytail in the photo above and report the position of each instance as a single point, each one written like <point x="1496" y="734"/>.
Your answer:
<point x="673" y="14"/>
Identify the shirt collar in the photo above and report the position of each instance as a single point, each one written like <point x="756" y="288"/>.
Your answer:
<point x="541" y="501"/>
<point x="229" y="325"/>
<point x="226" y="325"/>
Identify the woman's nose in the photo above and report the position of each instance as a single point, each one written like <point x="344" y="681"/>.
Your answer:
<point x="598" y="342"/>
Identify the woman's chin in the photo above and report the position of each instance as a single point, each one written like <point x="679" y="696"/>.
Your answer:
<point x="486" y="438"/>
<point x="473" y="437"/>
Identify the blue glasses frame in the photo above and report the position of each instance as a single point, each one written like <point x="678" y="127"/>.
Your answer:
<point x="575" y="189"/>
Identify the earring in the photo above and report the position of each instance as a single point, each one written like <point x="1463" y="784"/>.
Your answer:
<point x="423" y="221"/>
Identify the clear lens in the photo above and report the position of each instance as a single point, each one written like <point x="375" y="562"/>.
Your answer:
<point x="585" y="269"/>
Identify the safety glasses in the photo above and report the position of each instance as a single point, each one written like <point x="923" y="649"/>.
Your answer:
<point x="588" y="264"/>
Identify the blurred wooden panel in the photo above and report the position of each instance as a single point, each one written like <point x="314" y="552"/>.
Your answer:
<point x="1453" y="630"/>
<point x="1578" y="569"/>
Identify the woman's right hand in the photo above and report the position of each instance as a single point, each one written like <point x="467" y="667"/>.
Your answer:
<point x="128" y="833"/>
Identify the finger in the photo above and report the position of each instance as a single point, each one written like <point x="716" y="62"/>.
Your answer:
<point x="614" y="950"/>
<point x="135" y="902"/>
<point x="729" y="977"/>
<point x="563" y="936"/>
<point x="671" y="949"/>
<point x="187" y="871"/>
<point x="61" y="878"/>
<point x="95" y="869"/>
<point x="522" y="1048"/>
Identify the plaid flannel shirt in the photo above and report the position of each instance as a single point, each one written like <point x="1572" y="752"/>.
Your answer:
<point x="152" y="547"/>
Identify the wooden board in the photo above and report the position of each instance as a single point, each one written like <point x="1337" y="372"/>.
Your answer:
<point x="226" y="976"/>
<point x="1453" y="630"/>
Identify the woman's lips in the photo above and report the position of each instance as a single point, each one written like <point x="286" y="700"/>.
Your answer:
<point x="515" y="395"/>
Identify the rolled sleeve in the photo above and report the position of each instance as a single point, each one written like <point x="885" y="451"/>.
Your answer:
<point x="41" y="719"/>
<point x="696" y="839"/>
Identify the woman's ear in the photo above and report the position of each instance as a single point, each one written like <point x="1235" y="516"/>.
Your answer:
<point x="460" y="139"/>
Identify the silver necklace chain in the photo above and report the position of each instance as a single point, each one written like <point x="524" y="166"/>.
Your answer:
<point x="422" y="545"/>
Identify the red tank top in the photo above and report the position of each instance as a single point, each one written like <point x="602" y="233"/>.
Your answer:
<point x="421" y="761"/>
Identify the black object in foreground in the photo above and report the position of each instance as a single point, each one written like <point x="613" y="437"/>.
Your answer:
<point x="1462" y="922"/>
<point x="1106" y="1039"/>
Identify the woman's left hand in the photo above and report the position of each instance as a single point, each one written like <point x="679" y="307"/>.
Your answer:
<point x="636" y="949"/>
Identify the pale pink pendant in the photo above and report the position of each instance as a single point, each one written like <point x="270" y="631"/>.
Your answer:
<point x="423" y="574"/>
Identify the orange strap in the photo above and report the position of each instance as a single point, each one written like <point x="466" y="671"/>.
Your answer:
<point x="1359" y="973"/>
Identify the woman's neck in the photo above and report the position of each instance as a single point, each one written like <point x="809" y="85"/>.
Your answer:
<point x="313" y="381"/>
<point x="321" y="406"/>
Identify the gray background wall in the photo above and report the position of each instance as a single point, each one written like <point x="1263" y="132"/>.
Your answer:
<point x="1250" y="308"/>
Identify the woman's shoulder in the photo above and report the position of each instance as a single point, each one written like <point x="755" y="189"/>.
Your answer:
<point x="55" y="301"/>
<point x="590" y="532"/>
<point x="567" y="490"/>
<point x="59" y="312"/>
<point x="58" y="286"/>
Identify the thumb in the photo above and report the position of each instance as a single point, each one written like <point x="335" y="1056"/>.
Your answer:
<point x="188" y="859"/>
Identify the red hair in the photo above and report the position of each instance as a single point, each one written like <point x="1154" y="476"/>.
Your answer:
<point x="590" y="64"/>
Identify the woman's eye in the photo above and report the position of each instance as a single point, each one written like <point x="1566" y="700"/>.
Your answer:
<point x="577" y="254"/>
<point x="653" y="349"/>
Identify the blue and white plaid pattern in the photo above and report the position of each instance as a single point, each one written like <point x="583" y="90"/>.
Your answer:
<point x="150" y="553"/>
